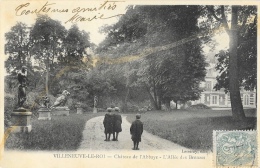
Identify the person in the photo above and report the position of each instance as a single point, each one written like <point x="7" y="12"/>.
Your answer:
<point x="22" y="79"/>
<point x="136" y="131"/>
<point x="117" y="121"/>
<point x="108" y="124"/>
<point x="112" y="108"/>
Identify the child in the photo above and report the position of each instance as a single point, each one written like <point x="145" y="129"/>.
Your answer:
<point x="136" y="131"/>
<point x="108" y="124"/>
<point x="117" y="124"/>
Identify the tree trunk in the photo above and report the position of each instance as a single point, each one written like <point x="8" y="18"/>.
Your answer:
<point x="235" y="98"/>
<point x="168" y="105"/>
<point x="153" y="102"/>
<point x="125" y="100"/>
<point x="47" y="76"/>
<point x="155" y="95"/>
<point x="159" y="102"/>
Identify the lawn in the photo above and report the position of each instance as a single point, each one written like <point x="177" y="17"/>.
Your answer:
<point x="193" y="129"/>
<point x="61" y="133"/>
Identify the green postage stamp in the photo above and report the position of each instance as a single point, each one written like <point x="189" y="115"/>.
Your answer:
<point x="235" y="148"/>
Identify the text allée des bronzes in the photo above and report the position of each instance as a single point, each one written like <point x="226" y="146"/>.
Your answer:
<point x="25" y="9"/>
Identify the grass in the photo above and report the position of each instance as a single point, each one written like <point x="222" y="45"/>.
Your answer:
<point x="193" y="129"/>
<point x="189" y="128"/>
<point x="61" y="133"/>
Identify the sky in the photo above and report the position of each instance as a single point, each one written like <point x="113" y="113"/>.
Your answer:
<point x="11" y="15"/>
<point x="92" y="27"/>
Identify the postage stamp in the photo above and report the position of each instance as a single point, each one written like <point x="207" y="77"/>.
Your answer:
<point x="235" y="148"/>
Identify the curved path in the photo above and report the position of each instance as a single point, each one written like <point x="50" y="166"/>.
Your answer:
<point x="93" y="138"/>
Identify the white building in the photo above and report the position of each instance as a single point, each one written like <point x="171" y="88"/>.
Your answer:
<point x="213" y="98"/>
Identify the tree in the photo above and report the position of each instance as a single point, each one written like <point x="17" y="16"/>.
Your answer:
<point x="187" y="70"/>
<point x="47" y="36"/>
<point x="17" y="47"/>
<point x="160" y="26"/>
<point x="247" y="60"/>
<point x="75" y="43"/>
<point x="239" y="18"/>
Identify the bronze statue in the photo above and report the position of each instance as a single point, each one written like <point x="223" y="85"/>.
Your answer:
<point x="22" y="79"/>
<point x="61" y="101"/>
<point x="45" y="101"/>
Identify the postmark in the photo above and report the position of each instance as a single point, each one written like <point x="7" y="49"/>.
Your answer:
<point x="235" y="148"/>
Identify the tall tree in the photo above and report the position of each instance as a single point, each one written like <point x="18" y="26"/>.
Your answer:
<point x="239" y="19"/>
<point x="47" y="36"/>
<point x="17" y="47"/>
<point x="76" y="44"/>
<point x="158" y="27"/>
<point x="247" y="60"/>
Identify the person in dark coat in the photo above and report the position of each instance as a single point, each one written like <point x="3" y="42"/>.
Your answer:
<point x="117" y="124"/>
<point x="136" y="131"/>
<point x="108" y="124"/>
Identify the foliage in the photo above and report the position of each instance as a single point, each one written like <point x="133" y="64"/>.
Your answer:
<point x="76" y="43"/>
<point x="169" y="74"/>
<point x="54" y="57"/>
<point x="17" y="47"/>
<point x="199" y="106"/>
<point x="47" y="36"/>
<point x="247" y="60"/>
<point x="240" y="18"/>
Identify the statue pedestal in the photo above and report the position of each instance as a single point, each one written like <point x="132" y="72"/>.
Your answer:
<point x="44" y="114"/>
<point x="21" y="121"/>
<point x="79" y="110"/>
<point x="94" y="110"/>
<point x="61" y="111"/>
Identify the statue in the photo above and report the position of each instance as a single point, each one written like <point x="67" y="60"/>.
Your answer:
<point x="22" y="79"/>
<point x="21" y="117"/>
<point x="95" y="101"/>
<point x="95" y="104"/>
<point x="61" y="101"/>
<point x="45" y="101"/>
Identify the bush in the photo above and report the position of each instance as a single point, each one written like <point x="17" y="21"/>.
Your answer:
<point x="9" y="106"/>
<point x="199" y="106"/>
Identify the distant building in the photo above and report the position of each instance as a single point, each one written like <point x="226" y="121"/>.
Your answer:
<point x="213" y="98"/>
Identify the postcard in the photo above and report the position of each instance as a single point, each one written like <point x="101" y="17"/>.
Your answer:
<point x="121" y="83"/>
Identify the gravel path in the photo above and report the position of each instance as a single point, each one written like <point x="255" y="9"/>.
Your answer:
<point x="93" y="138"/>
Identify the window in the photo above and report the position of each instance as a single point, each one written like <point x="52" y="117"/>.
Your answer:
<point x="214" y="100"/>
<point x="246" y="99"/>
<point x="208" y="85"/>
<point x="252" y="99"/>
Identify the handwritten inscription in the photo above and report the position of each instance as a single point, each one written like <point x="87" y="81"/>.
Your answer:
<point x="46" y="8"/>
<point x="94" y="12"/>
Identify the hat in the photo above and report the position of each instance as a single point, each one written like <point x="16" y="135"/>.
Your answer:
<point x="117" y="109"/>
<point x="109" y="109"/>
<point x="138" y="116"/>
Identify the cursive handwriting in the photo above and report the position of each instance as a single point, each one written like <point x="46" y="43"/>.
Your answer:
<point x="77" y="18"/>
<point x="108" y="5"/>
<point x="23" y="10"/>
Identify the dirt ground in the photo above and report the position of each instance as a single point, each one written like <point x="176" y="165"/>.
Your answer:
<point x="93" y="138"/>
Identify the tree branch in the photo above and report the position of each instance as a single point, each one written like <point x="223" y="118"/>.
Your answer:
<point x="211" y="10"/>
<point x="224" y="19"/>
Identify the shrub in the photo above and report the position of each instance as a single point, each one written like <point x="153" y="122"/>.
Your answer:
<point x="199" y="106"/>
